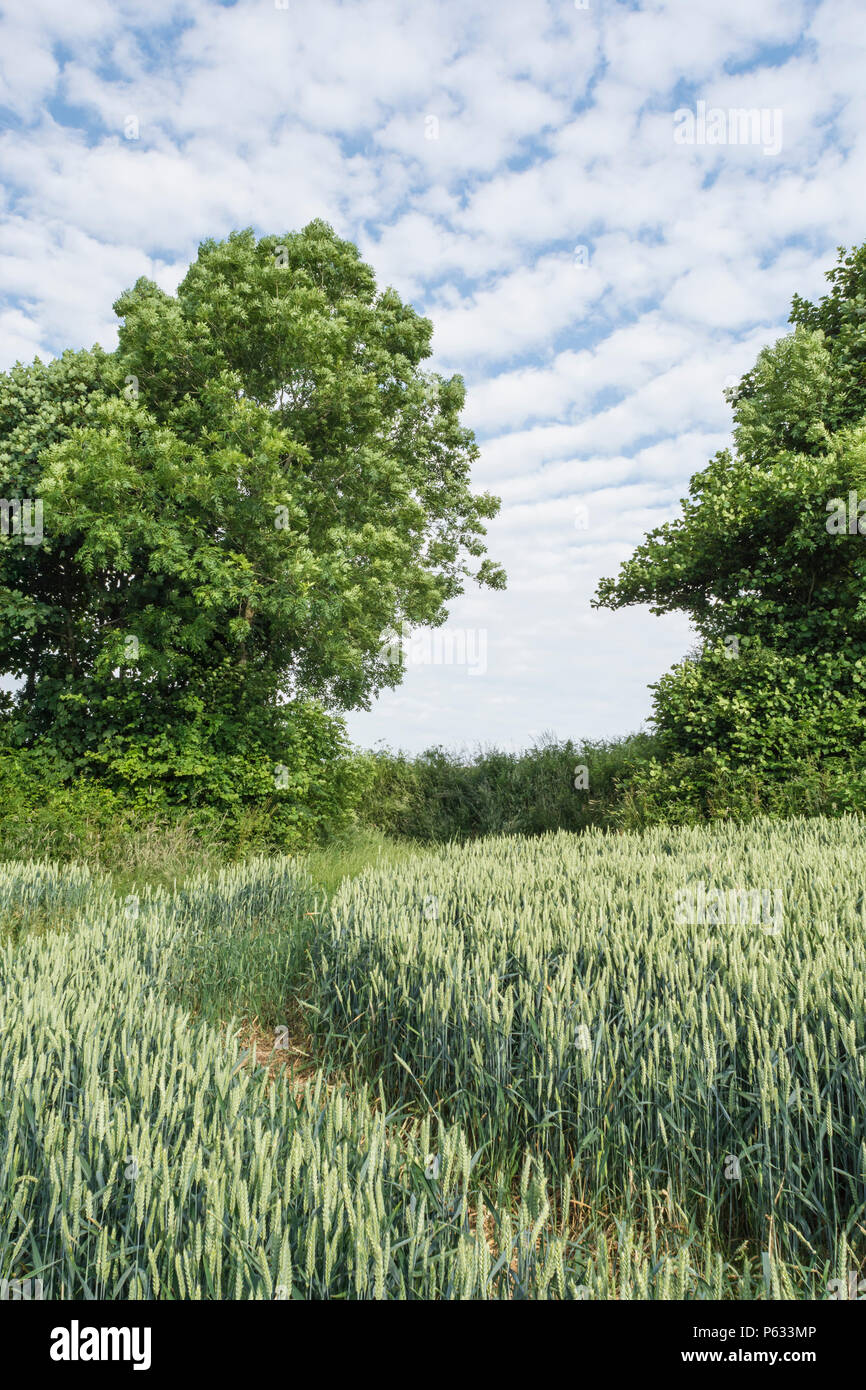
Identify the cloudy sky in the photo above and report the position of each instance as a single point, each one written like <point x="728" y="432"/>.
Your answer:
<point x="597" y="266"/>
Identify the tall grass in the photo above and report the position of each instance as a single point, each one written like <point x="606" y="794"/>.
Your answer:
<point x="543" y="994"/>
<point x="474" y="1147"/>
<point x="140" y="1156"/>
<point x="349" y="855"/>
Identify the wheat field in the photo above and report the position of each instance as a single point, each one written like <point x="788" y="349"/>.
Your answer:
<point x="580" y="1066"/>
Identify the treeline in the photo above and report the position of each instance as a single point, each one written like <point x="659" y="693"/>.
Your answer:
<point x="620" y="784"/>
<point x="431" y="798"/>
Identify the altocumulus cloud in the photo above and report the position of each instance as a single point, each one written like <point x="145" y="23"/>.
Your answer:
<point x="511" y="169"/>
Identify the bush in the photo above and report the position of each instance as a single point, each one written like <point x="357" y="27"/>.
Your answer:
<point x="441" y="796"/>
<point x="763" y="709"/>
<point x="285" y="796"/>
<point x="759" y="733"/>
<point x="688" y="789"/>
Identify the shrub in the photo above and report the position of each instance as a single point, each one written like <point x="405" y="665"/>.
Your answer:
<point x="287" y="795"/>
<point x="441" y="796"/>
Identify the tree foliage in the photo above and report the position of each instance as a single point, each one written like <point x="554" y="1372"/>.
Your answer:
<point x="237" y="502"/>
<point x="769" y="555"/>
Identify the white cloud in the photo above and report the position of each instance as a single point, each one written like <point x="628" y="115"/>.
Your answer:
<point x="594" y="376"/>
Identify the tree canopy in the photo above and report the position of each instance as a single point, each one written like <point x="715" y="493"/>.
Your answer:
<point x="237" y="501"/>
<point x="768" y="557"/>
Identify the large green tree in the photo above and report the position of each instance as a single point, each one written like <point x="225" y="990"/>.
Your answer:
<point x="769" y="555"/>
<point x="237" y="502"/>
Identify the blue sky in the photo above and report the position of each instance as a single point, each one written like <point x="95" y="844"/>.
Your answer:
<point x="512" y="170"/>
